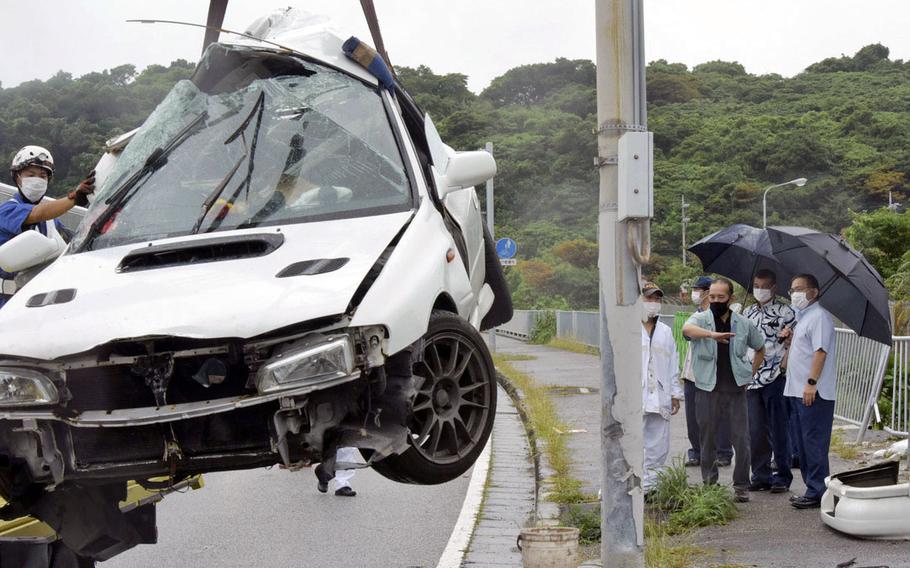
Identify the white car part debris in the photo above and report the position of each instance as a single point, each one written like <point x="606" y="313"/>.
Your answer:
<point x="868" y="503"/>
<point x="896" y="449"/>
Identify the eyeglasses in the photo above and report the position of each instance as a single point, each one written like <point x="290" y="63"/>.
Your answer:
<point x="801" y="289"/>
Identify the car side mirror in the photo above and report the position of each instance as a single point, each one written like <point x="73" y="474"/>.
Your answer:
<point x="28" y="249"/>
<point x="467" y="169"/>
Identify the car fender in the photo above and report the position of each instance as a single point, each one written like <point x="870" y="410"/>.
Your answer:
<point x="416" y="273"/>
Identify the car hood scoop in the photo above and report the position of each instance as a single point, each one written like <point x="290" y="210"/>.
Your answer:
<point x="208" y="299"/>
<point x="216" y="249"/>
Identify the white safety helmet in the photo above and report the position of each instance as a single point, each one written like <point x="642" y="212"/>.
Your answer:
<point x="32" y="156"/>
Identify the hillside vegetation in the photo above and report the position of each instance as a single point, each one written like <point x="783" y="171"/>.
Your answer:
<point x="721" y="136"/>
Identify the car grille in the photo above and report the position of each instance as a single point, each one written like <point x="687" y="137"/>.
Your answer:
<point x="117" y="445"/>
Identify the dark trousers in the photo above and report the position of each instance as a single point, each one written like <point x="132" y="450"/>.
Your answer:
<point x="814" y="426"/>
<point x="768" y="432"/>
<point x="712" y="410"/>
<point x="724" y="449"/>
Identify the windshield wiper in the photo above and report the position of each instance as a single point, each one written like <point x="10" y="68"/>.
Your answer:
<point x="249" y="153"/>
<point x="153" y="162"/>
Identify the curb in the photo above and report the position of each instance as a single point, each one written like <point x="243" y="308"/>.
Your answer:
<point x="546" y="511"/>
<point x="459" y="541"/>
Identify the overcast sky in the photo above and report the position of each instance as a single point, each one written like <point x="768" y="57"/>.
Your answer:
<point x="481" y="38"/>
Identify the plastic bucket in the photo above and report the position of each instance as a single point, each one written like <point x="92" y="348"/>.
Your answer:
<point x="548" y="547"/>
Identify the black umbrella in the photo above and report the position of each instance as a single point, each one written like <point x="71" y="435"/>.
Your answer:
<point x="738" y="252"/>
<point x="850" y="288"/>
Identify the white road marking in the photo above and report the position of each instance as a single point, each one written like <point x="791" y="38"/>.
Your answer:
<point x="457" y="546"/>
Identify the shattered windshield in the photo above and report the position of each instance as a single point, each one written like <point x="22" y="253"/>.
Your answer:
<point x="279" y="150"/>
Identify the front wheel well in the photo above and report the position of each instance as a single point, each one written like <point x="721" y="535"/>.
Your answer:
<point x="445" y="303"/>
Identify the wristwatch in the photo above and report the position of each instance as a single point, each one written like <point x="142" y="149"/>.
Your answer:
<point x="812" y="381"/>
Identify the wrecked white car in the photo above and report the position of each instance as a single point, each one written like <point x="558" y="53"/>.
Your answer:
<point x="285" y="259"/>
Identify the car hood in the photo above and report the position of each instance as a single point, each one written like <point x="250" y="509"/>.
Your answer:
<point x="228" y="298"/>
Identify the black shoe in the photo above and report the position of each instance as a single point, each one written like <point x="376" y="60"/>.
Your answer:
<point x="806" y="503"/>
<point x="724" y="462"/>
<point x="779" y="489"/>
<point x="760" y="487"/>
<point x="795" y="497"/>
<point x="322" y="484"/>
<point x="345" y="492"/>
<point x="741" y="495"/>
<point x="693" y="462"/>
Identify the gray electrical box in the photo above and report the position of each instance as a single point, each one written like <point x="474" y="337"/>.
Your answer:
<point x="636" y="176"/>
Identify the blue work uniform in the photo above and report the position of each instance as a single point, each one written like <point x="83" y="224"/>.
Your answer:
<point x="13" y="214"/>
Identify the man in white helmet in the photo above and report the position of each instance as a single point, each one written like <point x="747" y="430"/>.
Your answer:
<point x="32" y="169"/>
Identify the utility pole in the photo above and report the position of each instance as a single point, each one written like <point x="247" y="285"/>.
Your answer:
<point x="685" y="220"/>
<point x="490" y="208"/>
<point x="622" y="237"/>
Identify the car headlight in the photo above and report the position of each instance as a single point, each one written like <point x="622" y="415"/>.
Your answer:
<point x="308" y="361"/>
<point x="26" y="387"/>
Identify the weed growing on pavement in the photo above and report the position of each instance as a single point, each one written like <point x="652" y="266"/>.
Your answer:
<point x="662" y="552"/>
<point x="573" y="346"/>
<point x="586" y="520"/>
<point x="844" y="449"/>
<point x="684" y="507"/>
<point x="513" y="357"/>
<point x="544" y="426"/>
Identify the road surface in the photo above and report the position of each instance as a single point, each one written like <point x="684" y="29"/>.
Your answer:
<point x="276" y="518"/>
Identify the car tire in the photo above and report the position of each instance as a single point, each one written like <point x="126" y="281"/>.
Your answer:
<point x="455" y="406"/>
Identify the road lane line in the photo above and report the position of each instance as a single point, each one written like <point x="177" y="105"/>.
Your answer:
<point x="457" y="546"/>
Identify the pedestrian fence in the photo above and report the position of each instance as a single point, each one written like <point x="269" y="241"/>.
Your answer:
<point x="861" y="365"/>
<point x="900" y="387"/>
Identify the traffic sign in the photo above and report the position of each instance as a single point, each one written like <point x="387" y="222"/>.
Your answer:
<point x="508" y="261"/>
<point x="506" y="248"/>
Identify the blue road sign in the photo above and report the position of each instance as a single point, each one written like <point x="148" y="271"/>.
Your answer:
<point x="506" y="248"/>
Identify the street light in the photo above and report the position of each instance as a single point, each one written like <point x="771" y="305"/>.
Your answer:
<point x="798" y="182"/>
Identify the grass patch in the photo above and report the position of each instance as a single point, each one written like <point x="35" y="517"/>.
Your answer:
<point x="683" y="507"/>
<point x="513" y="357"/>
<point x="544" y="425"/>
<point x="843" y="448"/>
<point x="573" y="346"/>
<point x="662" y="552"/>
<point x="586" y="520"/>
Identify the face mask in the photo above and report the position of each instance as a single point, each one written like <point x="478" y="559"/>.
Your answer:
<point x="650" y="310"/>
<point x="696" y="297"/>
<point x="719" y="308"/>
<point x="33" y="188"/>
<point x="799" y="300"/>
<point x="761" y="295"/>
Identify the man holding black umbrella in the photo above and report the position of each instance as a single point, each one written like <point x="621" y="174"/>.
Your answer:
<point x="720" y="339"/>
<point x="811" y="386"/>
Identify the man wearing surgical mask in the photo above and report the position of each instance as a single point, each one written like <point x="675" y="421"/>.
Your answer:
<point x="32" y="170"/>
<point x="811" y="387"/>
<point x="724" y="447"/>
<point x="662" y="390"/>
<point x="768" y="407"/>
<point x="720" y="341"/>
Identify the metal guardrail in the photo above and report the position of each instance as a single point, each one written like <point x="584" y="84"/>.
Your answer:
<point x="521" y="325"/>
<point x="900" y="389"/>
<point x="861" y="365"/>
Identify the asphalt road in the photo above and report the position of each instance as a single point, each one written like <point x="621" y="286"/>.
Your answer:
<point x="276" y="518"/>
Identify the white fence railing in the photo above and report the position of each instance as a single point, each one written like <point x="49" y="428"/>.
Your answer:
<point x="900" y="388"/>
<point x="861" y="366"/>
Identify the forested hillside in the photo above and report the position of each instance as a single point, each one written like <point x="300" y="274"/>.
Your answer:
<point x="721" y="136"/>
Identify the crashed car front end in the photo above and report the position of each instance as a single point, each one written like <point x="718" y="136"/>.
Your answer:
<point x="178" y="407"/>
